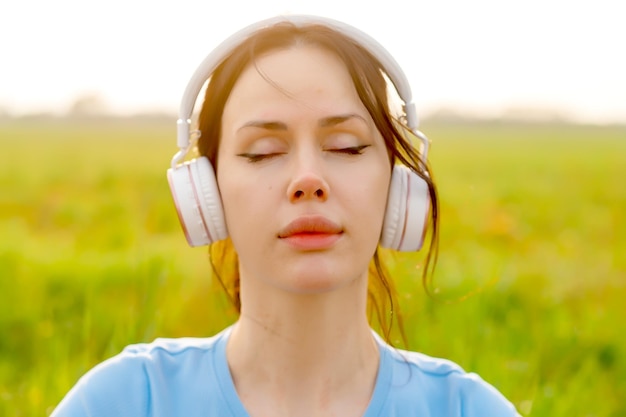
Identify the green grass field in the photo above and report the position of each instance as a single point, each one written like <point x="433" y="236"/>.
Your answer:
<point x="533" y="224"/>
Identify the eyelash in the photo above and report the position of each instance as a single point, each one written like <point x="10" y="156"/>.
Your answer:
<point x="258" y="157"/>
<point x="254" y="157"/>
<point x="353" y="150"/>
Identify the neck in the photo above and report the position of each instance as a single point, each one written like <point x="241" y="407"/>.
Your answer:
<point x="303" y="347"/>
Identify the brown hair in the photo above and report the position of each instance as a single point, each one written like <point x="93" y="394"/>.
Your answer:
<point x="367" y="75"/>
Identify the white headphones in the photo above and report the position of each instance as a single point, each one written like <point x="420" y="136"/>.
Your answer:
<point x="194" y="186"/>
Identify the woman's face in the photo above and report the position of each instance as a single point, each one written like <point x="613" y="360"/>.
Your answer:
<point x="303" y="173"/>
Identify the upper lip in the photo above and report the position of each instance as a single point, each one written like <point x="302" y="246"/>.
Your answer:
<point x="310" y="224"/>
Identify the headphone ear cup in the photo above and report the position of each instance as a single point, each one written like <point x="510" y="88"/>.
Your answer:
<point x="198" y="203"/>
<point x="407" y="210"/>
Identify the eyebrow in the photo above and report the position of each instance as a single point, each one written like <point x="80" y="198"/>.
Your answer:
<point x="280" y="126"/>
<point x="335" y="120"/>
<point x="264" y="124"/>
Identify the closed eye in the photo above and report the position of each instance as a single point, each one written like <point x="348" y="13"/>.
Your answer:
<point x="258" y="157"/>
<point x="352" y="150"/>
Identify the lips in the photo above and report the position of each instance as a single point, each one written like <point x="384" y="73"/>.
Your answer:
<point x="311" y="233"/>
<point x="310" y="225"/>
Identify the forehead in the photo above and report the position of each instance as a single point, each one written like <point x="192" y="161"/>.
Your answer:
<point x="294" y="79"/>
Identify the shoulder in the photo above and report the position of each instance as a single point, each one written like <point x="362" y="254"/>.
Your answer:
<point x="167" y="357"/>
<point x="178" y="349"/>
<point x="128" y="383"/>
<point x="447" y="389"/>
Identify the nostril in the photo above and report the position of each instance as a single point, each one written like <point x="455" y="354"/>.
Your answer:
<point x="319" y="193"/>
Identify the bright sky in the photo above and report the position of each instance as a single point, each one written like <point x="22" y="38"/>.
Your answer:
<point x="479" y="56"/>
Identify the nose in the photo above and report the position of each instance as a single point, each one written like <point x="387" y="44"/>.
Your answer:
<point x="308" y="186"/>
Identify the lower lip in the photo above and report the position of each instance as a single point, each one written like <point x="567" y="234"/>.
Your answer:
<point x="312" y="241"/>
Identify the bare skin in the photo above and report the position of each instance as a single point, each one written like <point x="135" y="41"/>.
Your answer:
<point x="302" y="346"/>
<point x="294" y="365"/>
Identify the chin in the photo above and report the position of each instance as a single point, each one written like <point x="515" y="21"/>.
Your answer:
<point x="320" y="281"/>
<point x="314" y="287"/>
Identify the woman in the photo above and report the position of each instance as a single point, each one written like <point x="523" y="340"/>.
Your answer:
<point x="297" y="126"/>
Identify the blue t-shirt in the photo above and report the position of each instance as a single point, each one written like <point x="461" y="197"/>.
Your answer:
<point x="190" y="377"/>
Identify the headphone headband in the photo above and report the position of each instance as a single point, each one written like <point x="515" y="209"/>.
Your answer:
<point x="208" y="65"/>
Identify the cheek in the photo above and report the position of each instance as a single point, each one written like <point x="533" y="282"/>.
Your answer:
<point x="368" y="197"/>
<point x="382" y="193"/>
<point x="245" y="202"/>
<point x="374" y="185"/>
<point x="379" y="201"/>
<point x="236" y="198"/>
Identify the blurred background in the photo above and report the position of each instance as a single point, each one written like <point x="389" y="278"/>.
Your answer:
<point x="486" y="58"/>
<point x="525" y="104"/>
